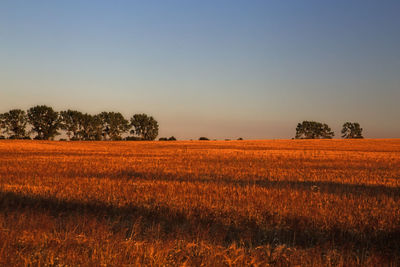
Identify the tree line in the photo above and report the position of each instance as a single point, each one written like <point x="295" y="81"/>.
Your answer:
<point x="46" y="123"/>
<point x="318" y="130"/>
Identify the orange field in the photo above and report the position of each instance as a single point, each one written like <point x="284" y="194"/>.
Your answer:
<point x="216" y="203"/>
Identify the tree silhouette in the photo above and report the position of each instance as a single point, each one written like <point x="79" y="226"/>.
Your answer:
<point x="44" y="121"/>
<point x="70" y="122"/>
<point x="313" y="130"/>
<point x="172" y="138"/>
<point x="352" y="130"/>
<point x="114" y="125"/>
<point x="91" y="127"/>
<point x="144" y="126"/>
<point x="14" y="123"/>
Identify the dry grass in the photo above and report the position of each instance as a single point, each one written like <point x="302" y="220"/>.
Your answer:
<point x="297" y="202"/>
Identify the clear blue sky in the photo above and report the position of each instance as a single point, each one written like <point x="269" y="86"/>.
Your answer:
<point x="221" y="69"/>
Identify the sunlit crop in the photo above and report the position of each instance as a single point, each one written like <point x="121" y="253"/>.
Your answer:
<point x="211" y="203"/>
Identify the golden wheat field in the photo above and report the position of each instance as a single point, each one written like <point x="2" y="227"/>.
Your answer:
<point x="193" y="203"/>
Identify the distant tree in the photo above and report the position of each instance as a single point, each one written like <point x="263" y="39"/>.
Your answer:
<point x="240" y="139"/>
<point x="44" y="121"/>
<point x="172" y="138"/>
<point x="114" y="125"/>
<point x="14" y="123"/>
<point x="84" y="128"/>
<point x="313" y="130"/>
<point x="91" y="127"/>
<point x="203" y="138"/>
<point x="144" y="126"/>
<point x="352" y="130"/>
<point x="70" y="122"/>
<point x="97" y="128"/>
<point x="2" y="126"/>
<point x="325" y="132"/>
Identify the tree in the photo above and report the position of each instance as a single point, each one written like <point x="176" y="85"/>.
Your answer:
<point x="144" y="126"/>
<point x="172" y="138"/>
<point x="90" y="127"/>
<point x="96" y="128"/>
<point x="352" y="130"/>
<point x="70" y="122"/>
<point x="44" y="121"/>
<point x="313" y="130"/>
<point x="14" y="123"/>
<point x="114" y="125"/>
<point x="2" y="125"/>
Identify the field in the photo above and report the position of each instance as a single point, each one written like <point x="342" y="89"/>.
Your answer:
<point x="215" y="203"/>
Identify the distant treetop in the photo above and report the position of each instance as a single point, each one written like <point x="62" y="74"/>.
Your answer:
<point x="313" y="130"/>
<point x="352" y="130"/>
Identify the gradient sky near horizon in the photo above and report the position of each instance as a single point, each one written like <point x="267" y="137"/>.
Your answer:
<point x="221" y="69"/>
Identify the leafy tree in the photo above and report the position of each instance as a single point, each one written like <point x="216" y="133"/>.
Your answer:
<point x="44" y="121"/>
<point x="172" y="138"/>
<point x="114" y="125"/>
<point x="352" y="130"/>
<point x="2" y="126"/>
<point x="90" y="127"/>
<point x="203" y="138"/>
<point x="96" y="128"/>
<point x="144" y="126"/>
<point x="325" y="132"/>
<point x="70" y="122"/>
<point x="313" y="130"/>
<point x="14" y="123"/>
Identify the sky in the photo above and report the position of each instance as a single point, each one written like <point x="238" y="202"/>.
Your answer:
<point x="221" y="69"/>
